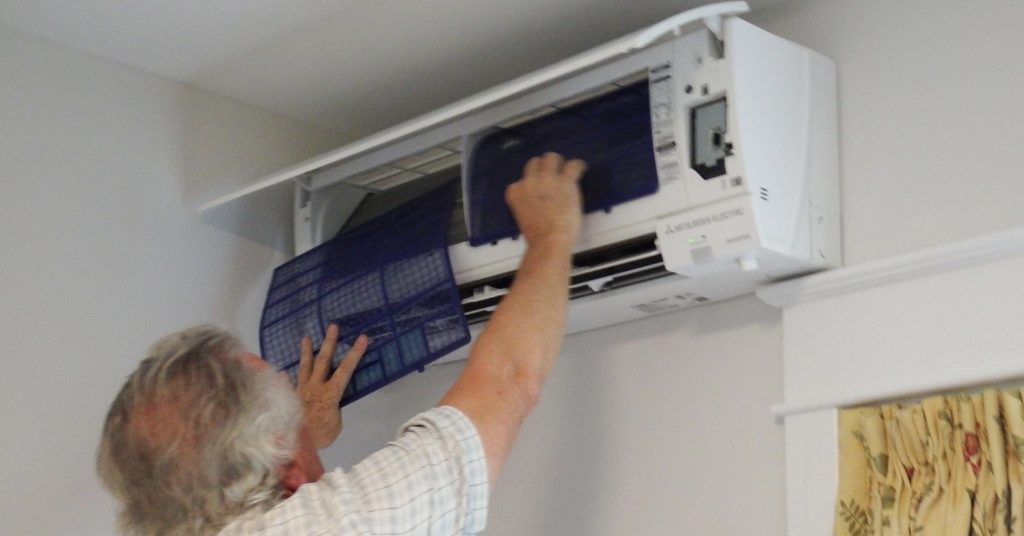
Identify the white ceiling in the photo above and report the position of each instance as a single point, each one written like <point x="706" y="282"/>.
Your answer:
<point x="353" y="66"/>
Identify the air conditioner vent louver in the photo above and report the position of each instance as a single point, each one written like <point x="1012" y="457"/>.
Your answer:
<point x="610" y="267"/>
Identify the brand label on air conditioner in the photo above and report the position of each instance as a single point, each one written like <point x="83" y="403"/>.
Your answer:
<point x="695" y="238"/>
<point x="669" y="303"/>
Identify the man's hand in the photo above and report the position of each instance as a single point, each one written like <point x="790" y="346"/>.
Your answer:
<point x="321" y="391"/>
<point x="546" y="202"/>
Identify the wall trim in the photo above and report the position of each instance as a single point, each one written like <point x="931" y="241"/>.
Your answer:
<point x="882" y="272"/>
<point x="967" y="379"/>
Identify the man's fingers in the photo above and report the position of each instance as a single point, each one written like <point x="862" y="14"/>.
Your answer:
<point x="330" y="341"/>
<point x="556" y="164"/>
<point x="323" y="359"/>
<point x="575" y="168"/>
<point x="305" y="360"/>
<point x="532" y="166"/>
<point x="551" y="162"/>
<point x="348" y="365"/>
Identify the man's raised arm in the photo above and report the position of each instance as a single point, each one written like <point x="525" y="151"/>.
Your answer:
<point x="514" y="354"/>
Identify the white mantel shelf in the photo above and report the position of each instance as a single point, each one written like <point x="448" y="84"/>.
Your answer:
<point x="894" y="269"/>
<point x="826" y="295"/>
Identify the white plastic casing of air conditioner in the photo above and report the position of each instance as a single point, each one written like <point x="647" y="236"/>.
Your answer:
<point x="772" y="214"/>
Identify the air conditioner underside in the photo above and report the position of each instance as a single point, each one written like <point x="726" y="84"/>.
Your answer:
<point x="642" y="298"/>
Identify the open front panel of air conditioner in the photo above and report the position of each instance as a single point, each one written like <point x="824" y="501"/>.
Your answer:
<point x="736" y="208"/>
<point x="743" y="144"/>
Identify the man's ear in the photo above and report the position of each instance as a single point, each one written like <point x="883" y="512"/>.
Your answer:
<point x="292" y="476"/>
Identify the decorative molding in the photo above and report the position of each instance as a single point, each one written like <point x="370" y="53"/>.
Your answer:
<point x="899" y="268"/>
<point x="964" y="380"/>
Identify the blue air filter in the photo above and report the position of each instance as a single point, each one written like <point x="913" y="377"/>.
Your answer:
<point x="612" y="133"/>
<point x="389" y="278"/>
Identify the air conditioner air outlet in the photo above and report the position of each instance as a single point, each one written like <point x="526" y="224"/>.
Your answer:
<point x="605" y="268"/>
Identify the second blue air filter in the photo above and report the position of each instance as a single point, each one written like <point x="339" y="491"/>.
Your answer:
<point x="612" y="133"/>
<point x="390" y="278"/>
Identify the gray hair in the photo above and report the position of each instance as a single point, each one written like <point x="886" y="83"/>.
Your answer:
<point x="195" y="438"/>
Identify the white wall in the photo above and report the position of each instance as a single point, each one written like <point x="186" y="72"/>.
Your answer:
<point x="639" y="418"/>
<point x="100" y="170"/>
<point x="653" y="427"/>
<point x="931" y="118"/>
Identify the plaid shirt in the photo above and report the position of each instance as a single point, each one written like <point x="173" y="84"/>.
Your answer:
<point x="431" y="480"/>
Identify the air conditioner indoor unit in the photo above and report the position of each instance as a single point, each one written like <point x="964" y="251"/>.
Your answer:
<point x="731" y="175"/>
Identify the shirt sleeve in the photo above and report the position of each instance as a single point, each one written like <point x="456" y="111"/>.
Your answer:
<point x="432" y="479"/>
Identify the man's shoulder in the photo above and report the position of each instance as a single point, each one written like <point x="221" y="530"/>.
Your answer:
<point x="315" y="507"/>
<point x="352" y="501"/>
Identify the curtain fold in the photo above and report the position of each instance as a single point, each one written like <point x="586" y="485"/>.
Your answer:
<point x="947" y="466"/>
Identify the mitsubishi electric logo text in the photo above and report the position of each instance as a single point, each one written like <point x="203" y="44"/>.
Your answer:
<point x="703" y="220"/>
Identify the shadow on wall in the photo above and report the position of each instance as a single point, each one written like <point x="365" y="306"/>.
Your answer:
<point x="614" y="406"/>
<point x="573" y="410"/>
<point x="227" y="145"/>
<point x="263" y="217"/>
<point x="222" y="146"/>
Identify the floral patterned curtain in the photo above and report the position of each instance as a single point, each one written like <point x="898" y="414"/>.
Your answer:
<point x="949" y="466"/>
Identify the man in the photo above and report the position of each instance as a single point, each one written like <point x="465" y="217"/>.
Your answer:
<point x="205" y="439"/>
